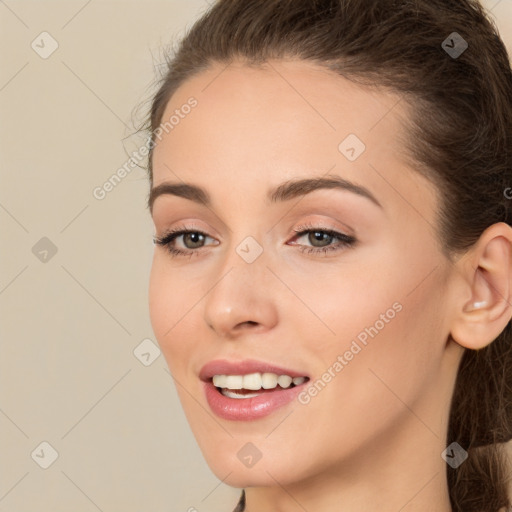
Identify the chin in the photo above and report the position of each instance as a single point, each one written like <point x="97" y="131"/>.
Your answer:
<point x="251" y="477"/>
<point x="230" y="467"/>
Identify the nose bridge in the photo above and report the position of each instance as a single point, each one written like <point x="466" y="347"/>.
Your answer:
<point x="241" y="290"/>
<point x="242" y="271"/>
<point x="245" y="254"/>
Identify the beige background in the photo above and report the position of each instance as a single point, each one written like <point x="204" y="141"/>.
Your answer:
<point x="70" y="324"/>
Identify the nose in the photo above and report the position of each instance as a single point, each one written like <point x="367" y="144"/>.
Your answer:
<point x="242" y="298"/>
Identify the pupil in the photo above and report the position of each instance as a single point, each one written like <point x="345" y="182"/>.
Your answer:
<point x="194" y="235"/>
<point x="319" y="235"/>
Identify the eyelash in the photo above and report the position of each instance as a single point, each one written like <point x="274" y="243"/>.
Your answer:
<point x="345" y="240"/>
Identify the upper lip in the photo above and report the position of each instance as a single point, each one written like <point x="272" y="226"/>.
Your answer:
<point x="225" y="367"/>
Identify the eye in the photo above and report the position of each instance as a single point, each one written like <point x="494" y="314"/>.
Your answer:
<point x="321" y="239"/>
<point x="193" y="237"/>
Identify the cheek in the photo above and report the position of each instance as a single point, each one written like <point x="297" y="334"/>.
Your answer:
<point x="392" y="351"/>
<point x="168" y="313"/>
<point x="160" y="301"/>
<point x="346" y="303"/>
<point x="374" y="392"/>
<point x="385" y="323"/>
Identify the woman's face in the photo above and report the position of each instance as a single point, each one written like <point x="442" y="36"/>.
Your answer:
<point x="360" y="313"/>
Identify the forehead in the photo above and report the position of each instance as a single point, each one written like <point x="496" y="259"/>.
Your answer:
<point x="284" y="120"/>
<point x="255" y="103"/>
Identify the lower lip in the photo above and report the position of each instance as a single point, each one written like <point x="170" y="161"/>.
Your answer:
<point x="247" y="409"/>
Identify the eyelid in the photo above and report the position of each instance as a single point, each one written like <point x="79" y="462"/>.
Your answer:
<point x="326" y="225"/>
<point x="343" y="237"/>
<point x="186" y="226"/>
<point x="309" y="225"/>
<point x="345" y="241"/>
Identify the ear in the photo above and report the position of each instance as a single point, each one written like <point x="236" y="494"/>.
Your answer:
<point x="485" y="305"/>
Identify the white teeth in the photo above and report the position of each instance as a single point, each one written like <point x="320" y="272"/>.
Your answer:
<point x="269" y="380"/>
<point x="232" y="394"/>
<point x="234" y="381"/>
<point x="219" y="381"/>
<point x="254" y="382"/>
<point x="284" y="381"/>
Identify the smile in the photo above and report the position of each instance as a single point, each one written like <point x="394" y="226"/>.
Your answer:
<point x="248" y="390"/>
<point x="240" y="386"/>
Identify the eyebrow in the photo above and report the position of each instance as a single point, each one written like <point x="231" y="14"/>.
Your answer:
<point x="283" y="192"/>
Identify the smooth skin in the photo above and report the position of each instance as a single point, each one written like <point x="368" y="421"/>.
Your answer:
<point x="372" y="438"/>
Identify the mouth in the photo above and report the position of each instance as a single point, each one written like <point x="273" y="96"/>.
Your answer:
<point x="249" y="390"/>
<point x="254" y="384"/>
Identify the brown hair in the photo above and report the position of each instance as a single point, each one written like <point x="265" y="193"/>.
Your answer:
<point x="459" y="136"/>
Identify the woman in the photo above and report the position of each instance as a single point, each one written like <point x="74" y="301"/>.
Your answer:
<point x="331" y="285"/>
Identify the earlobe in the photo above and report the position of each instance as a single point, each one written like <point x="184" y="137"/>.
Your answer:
<point x="487" y="278"/>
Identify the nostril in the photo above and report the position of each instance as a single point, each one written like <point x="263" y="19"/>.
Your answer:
<point x="248" y="323"/>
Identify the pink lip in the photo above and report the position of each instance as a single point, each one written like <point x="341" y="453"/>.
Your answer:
<point x="246" y="409"/>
